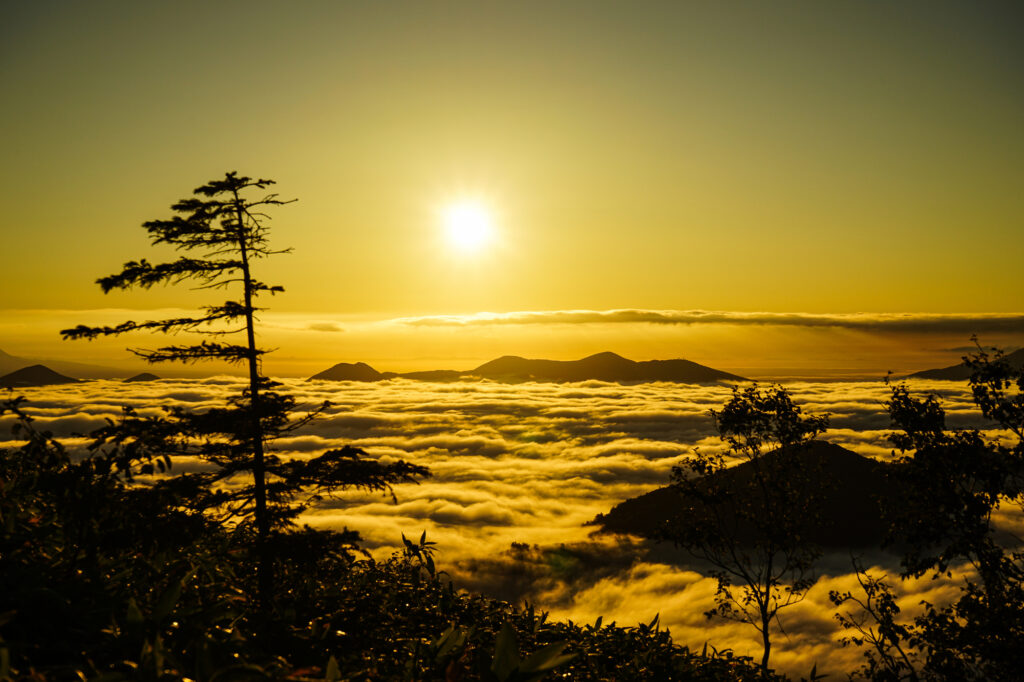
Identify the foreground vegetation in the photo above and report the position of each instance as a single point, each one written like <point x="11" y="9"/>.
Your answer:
<point x="104" y="580"/>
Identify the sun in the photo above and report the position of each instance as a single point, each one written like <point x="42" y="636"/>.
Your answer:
<point x="468" y="225"/>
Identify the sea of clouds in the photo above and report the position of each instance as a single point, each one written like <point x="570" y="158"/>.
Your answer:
<point x="531" y="464"/>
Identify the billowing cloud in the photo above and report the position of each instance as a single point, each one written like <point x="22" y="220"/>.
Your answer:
<point x="531" y="464"/>
<point x="879" y="322"/>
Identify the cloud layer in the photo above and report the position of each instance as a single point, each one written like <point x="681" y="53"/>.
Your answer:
<point x="531" y="464"/>
<point x="877" y="322"/>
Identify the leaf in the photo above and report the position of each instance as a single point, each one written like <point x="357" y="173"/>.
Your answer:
<point x="815" y="675"/>
<point x="333" y="672"/>
<point x="540" y="620"/>
<point x="169" y="599"/>
<point x="134" y="617"/>
<point x="240" y="671"/>
<point x="452" y="639"/>
<point x="546" y="659"/>
<point x="506" y="653"/>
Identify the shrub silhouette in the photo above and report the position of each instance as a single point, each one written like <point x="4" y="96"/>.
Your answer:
<point x="755" y="544"/>
<point x="953" y="481"/>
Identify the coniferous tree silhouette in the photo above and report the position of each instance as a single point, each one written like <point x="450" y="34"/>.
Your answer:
<point x="228" y="228"/>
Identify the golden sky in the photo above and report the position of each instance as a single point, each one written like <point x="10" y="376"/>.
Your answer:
<point x="813" y="157"/>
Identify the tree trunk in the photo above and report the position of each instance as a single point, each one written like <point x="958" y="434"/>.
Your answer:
<point x="766" y="622"/>
<point x="263" y="570"/>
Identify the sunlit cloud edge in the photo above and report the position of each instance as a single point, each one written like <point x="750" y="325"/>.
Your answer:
<point x="968" y="323"/>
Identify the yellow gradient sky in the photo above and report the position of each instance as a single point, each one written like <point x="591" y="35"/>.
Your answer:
<point x="814" y="157"/>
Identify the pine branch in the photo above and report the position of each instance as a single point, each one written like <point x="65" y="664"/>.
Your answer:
<point x="348" y="467"/>
<point x="230" y="310"/>
<point x="144" y="274"/>
<point x="207" y="350"/>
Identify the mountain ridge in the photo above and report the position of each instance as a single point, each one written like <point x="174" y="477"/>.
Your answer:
<point x="962" y="372"/>
<point x="34" y="375"/>
<point x="605" y="366"/>
<point x="10" y="363"/>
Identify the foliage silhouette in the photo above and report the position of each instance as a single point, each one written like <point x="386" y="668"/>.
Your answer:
<point x="874" y="621"/>
<point x="756" y="545"/>
<point x="954" y="482"/>
<point x="229" y="230"/>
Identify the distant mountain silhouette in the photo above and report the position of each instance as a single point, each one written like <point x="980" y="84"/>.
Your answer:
<point x="961" y="372"/>
<point x="603" y="367"/>
<point x="512" y="369"/>
<point x="35" y="375"/>
<point x="145" y="376"/>
<point x="851" y="486"/>
<point x="10" y="363"/>
<point x="6" y="358"/>
<point x="439" y="375"/>
<point x="347" y="371"/>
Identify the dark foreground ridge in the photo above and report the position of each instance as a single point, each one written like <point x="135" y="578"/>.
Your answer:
<point x="35" y="375"/>
<point x="513" y="369"/>
<point x="962" y="372"/>
<point x="852" y="490"/>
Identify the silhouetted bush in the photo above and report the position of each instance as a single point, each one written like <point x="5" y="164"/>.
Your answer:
<point x="952" y="481"/>
<point x="754" y="537"/>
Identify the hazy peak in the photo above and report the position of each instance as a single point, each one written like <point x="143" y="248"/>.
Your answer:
<point x="144" y="376"/>
<point x="34" y="375"/>
<point x="348" y="371"/>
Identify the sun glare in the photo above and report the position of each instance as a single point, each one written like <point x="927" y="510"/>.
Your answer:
<point x="468" y="225"/>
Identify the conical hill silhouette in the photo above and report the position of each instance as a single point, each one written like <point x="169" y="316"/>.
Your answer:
<point x="852" y="491"/>
<point x="347" y="371"/>
<point x="144" y="376"/>
<point x="34" y="375"/>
